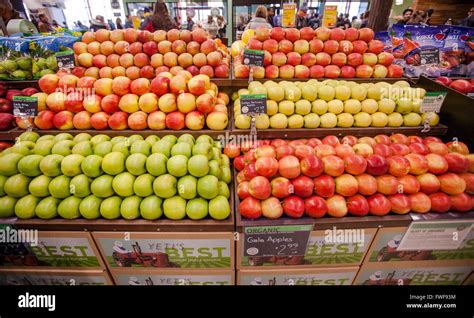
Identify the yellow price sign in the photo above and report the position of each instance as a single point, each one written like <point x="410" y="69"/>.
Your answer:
<point x="288" y="17"/>
<point x="330" y="16"/>
<point x="136" y="21"/>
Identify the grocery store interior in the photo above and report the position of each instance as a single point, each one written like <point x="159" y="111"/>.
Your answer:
<point x="236" y="142"/>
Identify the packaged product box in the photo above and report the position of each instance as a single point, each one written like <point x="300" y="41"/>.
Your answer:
<point x="414" y="273"/>
<point x="71" y="250"/>
<point x="384" y="249"/>
<point x="469" y="280"/>
<point x="154" y="276"/>
<point x="335" y="276"/>
<point x="325" y="248"/>
<point x="53" y="277"/>
<point x="161" y="250"/>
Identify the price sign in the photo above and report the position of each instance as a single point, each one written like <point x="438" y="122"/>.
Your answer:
<point x="24" y="106"/>
<point x="429" y="56"/>
<point x="433" y="101"/>
<point x="65" y="60"/>
<point x="284" y="240"/>
<point x="254" y="57"/>
<point x="253" y="104"/>
<point x="289" y="15"/>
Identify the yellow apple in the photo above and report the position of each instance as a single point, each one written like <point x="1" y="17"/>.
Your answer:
<point x="369" y="105"/>
<point x="379" y="119"/>
<point x="292" y="93"/>
<point x="319" y="107"/>
<point x="362" y="119"/>
<point x="386" y="106"/>
<point x="417" y="102"/>
<point x="326" y="93"/>
<point x="262" y="121"/>
<point x="374" y="92"/>
<point x="311" y="121"/>
<point x="345" y="120"/>
<point x="412" y="120"/>
<point x="217" y="120"/>
<point x="295" y="121"/>
<point x="276" y="93"/>
<point x="303" y="107"/>
<point x="328" y="120"/>
<point x="395" y="120"/>
<point x="359" y="92"/>
<point x="272" y="107"/>
<point x="431" y="117"/>
<point x="343" y="92"/>
<point x="404" y="105"/>
<point x="308" y="92"/>
<point x="278" y="121"/>
<point x="242" y="121"/>
<point x="335" y="106"/>
<point x="286" y="107"/>
<point x="402" y="83"/>
<point x="352" y="106"/>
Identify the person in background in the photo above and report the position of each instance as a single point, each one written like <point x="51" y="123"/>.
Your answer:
<point x="356" y="22"/>
<point x="146" y="12"/>
<point x="118" y="23"/>
<point x="260" y="19"/>
<point x="55" y="24"/>
<point x="302" y="16"/>
<point x="65" y="24"/>
<point x="98" y="23"/>
<point x="418" y="18"/>
<point x="277" y="18"/>
<point x="178" y="24"/>
<point x="111" y="24"/>
<point x="365" y="19"/>
<point x="211" y="27"/>
<point x="160" y="19"/>
<point x="406" y="16"/>
<point x="346" y="25"/>
<point x="429" y="13"/>
<point x="43" y="25"/>
<point x="469" y="20"/>
<point x="34" y="21"/>
<point x="449" y="21"/>
<point x="271" y="15"/>
<point x="340" y="20"/>
<point x="189" y="23"/>
<point x="314" y="20"/>
<point x="221" y="26"/>
<point x="128" y="22"/>
<point x="242" y="23"/>
<point x="346" y="19"/>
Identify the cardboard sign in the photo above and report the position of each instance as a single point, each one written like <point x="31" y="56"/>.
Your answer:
<point x="288" y="19"/>
<point x="253" y="104"/>
<point x="66" y="60"/>
<point x="330" y="16"/>
<point x="432" y="102"/>
<point x="284" y="240"/>
<point x="429" y="56"/>
<point x="25" y="106"/>
<point x="254" y="57"/>
<point x="54" y="277"/>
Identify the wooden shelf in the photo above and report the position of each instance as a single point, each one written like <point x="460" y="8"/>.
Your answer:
<point x="7" y="135"/>
<point x="244" y="82"/>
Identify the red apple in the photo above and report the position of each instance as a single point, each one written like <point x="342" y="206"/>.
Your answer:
<point x="457" y="162"/>
<point x="333" y="166"/>
<point x="315" y="207"/>
<point x="440" y="202"/>
<point x="379" y="204"/>
<point x="324" y="186"/>
<point x="408" y="184"/>
<point x="376" y="165"/>
<point x="281" y="187"/>
<point x="337" y="206"/>
<point x="239" y="163"/>
<point x="461" y="202"/>
<point x="346" y="185"/>
<point x="303" y="186"/>
<point x="398" y="166"/>
<point x="250" y="172"/>
<point x="429" y="183"/>
<point x="293" y="206"/>
<point x="418" y="163"/>
<point x="469" y="179"/>
<point x="437" y="164"/>
<point x="387" y="184"/>
<point x="243" y="190"/>
<point x="420" y="202"/>
<point x="311" y="166"/>
<point x="250" y="208"/>
<point x="367" y="184"/>
<point x="419" y="148"/>
<point x="259" y="188"/>
<point x="344" y="150"/>
<point x="401" y="203"/>
<point x="355" y="164"/>
<point x="284" y="150"/>
<point x="289" y="167"/>
<point x="357" y="205"/>
<point x="400" y="149"/>
<point x="266" y="166"/>
<point x="272" y="208"/>
<point x="382" y="150"/>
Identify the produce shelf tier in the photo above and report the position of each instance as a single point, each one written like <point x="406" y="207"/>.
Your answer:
<point x="244" y="82"/>
<point x="19" y="84"/>
<point x="7" y="135"/>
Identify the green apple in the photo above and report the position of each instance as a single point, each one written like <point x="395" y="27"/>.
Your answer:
<point x="45" y="137"/>
<point x="177" y="165"/>
<point x="23" y="147"/>
<point x="223" y="189"/>
<point x="216" y="154"/>
<point x="39" y="186"/>
<point x="309" y="93"/>
<point x="90" y="207"/>
<point x="103" y="148"/>
<point x="6" y="151"/>
<point x="163" y="146"/>
<point x="3" y="179"/>
<point x="71" y="165"/>
<point x="134" y="138"/>
<point x="110" y="208"/>
<point x="187" y="138"/>
<point x="51" y="165"/>
<point x="345" y="120"/>
<point x="91" y="166"/>
<point x="63" y="136"/>
<point x="197" y="209"/>
<point x="286" y="107"/>
<point x="431" y="117"/>
<point x="417" y="105"/>
<point x="404" y="106"/>
<point x="59" y="187"/>
<point x="16" y="186"/>
<point x="181" y="148"/>
<point x="113" y="163"/>
<point x="152" y="139"/>
<point x="83" y="148"/>
<point x="219" y="208"/>
<point x="362" y="119"/>
<point x="165" y="186"/>
<point x="29" y="136"/>
<point x="44" y="147"/>
<point x="150" y="208"/>
<point x="102" y="186"/>
<point x="143" y="185"/>
<point x="225" y="160"/>
<point x="80" y="186"/>
<point x="156" y="164"/>
<point x="208" y="187"/>
<point x="25" y="207"/>
<point x="172" y="139"/>
<point x="123" y="184"/>
<point x="204" y="138"/>
<point x="69" y="208"/>
<point x="118" y="139"/>
<point x="295" y="121"/>
<point x="7" y="206"/>
<point x="123" y="147"/>
<point x="395" y="120"/>
<point x="311" y="121"/>
<point x="412" y="120"/>
<point x="63" y="147"/>
<point x="135" y="163"/>
<point x="386" y="105"/>
<point x="141" y="146"/>
<point x="130" y="208"/>
<point x="81" y="137"/>
<point x="198" y="165"/>
<point x="97" y="139"/>
<point x="214" y="168"/>
<point x="226" y="174"/>
<point x="187" y="186"/>
<point x="47" y="208"/>
<point x="175" y="208"/>
<point x="9" y="163"/>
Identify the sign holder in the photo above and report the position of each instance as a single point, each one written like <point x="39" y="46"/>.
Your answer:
<point x="432" y="103"/>
<point x="25" y="107"/>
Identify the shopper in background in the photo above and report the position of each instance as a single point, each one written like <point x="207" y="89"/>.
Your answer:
<point x="271" y="15"/>
<point x="365" y="19"/>
<point x="418" y="18"/>
<point x="340" y="20"/>
<point x="211" y="27"/>
<point x="43" y="25"/>
<point x="98" y="23"/>
<point x="177" y="22"/>
<point x="111" y="24"/>
<point x="407" y="13"/>
<point x="221" y="26"/>
<point x="189" y="23"/>
<point x="356" y="22"/>
<point x="242" y="23"/>
<point x="260" y="19"/>
<point x="277" y="18"/>
<point x="449" y="21"/>
<point x="118" y="23"/>
<point x="160" y="19"/>
<point x="128" y="22"/>
<point x="469" y="20"/>
<point x="302" y="16"/>
<point x="314" y="20"/>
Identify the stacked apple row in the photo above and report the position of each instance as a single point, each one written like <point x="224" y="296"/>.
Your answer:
<point x="318" y="53"/>
<point x="93" y="177"/>
<point x="134" y="54"/>
<point x="335" y="103"/>
<point x="166" y="102"/>
<point x="353" y="176"/>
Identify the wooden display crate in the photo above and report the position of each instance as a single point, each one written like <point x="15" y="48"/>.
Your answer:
<point x="53" y="277"/>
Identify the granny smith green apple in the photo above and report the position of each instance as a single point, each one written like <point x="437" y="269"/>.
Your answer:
<point x="90" y="207"/>
<point x="216" y="154"/>
<point x="214" y="168"/>
<point x="172" y="139"/>
<point x="97" y="139"/>
<point x="69" y="208"/>
<point x="187" y="187"/>
<point x="25" y="207"/>
<point x="204" y="139"/>
<point x="17" y="186"/>
<point x="39" y="186"/>
<point x="123" y="184"/>
<point x="91" y="166"/>
<point x="152" y="139"/>
<point x="187" y="138"/>
<point x="135" y="163"/>
<point x="81" y="137"/>
<point x="197" y="209"/>
<point x="203" y="148"/>
<point x="63" y="147"/>
<point x="71" y="165"/>
<point x="198" y="165"/>
<point x="134" y="138"/>
<point x="150" y="207"/>
<point x="63" y="136"/>
<point x="130" y="207"/>
<point x="141" y="146"/>
<point x="102" y="186"/>
<point x="9" y="163"/>
<point x="123" y="147"/>
<point x="6" y="151"/>
<point x="59" y="187"/>
<point x="226" y="175"/>
<point x="110" y="208"/>
<point x="23" y="147"/>
<point x="165" y="186"/>
<point x="103" y="148"/>
<point x="51" y="165"/>
<point x="118" y="139"/>
<point x="3" y="179"/>
<point x="44" y="147"/>
<point x="224" y="190"/>
<point x="219" y="208"/>
<point x="162" y="146"/>
<point x="47" y="208"/>
<point x="181" y="148"/>
<point x="177" y="165"/>
<point x="113" y="163"/>
<point x="83" y="148"/>
<point x="29" y="136"/>
<point x="143" y="185"/>
<point x="7" y="206"/>
<point x="175" y="208"/>
<point x="45" y="137"/>
<point x="156" y="164"/>
<point x="225" y="160"/>
<point x="208" y="187"/>
<point x="80" y="186"/>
